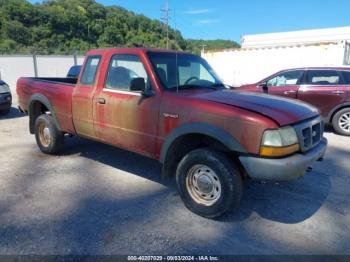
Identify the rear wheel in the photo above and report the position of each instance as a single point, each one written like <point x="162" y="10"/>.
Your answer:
<point x="341" y="122"/>
<point x="48" y="137"/>
<point x="209" y="183"/>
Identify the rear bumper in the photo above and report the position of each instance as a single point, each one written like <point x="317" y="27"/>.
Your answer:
<point x="288" y="168"/>
<point x="5" y="101"/>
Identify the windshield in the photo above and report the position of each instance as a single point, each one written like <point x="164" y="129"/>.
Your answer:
<point x="183" y="71"/>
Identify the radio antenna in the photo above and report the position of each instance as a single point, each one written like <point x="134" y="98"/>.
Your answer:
<point x="176" y="53"/>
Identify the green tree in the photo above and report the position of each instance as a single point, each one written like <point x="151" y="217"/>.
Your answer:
<point x="67" y="26"/>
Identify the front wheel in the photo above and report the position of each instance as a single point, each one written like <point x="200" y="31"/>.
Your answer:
<point x="48" y="137"/>
<point x="209" y="183"/>
<point x="341" y="122"/>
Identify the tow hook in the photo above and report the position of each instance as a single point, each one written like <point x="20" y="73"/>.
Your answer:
<point x="309" y="169"/>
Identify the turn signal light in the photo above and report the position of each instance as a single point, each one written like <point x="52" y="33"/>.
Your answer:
<point x="278" y="151"/>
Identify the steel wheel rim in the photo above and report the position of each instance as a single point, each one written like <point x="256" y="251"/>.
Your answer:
<point x="203" y="185"/>
<point x="344" y="122"/>
<point x="44" y="134"/>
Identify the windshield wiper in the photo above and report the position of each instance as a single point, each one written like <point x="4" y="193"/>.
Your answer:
<point x="190" y="86"/>
<point x="218" y="85"/>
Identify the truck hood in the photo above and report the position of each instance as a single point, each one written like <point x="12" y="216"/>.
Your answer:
<point x="282" y="110"/>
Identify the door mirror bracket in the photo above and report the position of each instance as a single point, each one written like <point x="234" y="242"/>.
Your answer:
<point x="264" y="86"/>
<point x="139" y="84"/>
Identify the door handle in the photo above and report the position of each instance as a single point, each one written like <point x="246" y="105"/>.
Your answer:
<point x="338" y="92"/>
<point x="289" y="92"/>
<point x="101" y="100"/>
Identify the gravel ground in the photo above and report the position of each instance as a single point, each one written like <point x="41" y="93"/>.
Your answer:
<point x="96" y="199"/>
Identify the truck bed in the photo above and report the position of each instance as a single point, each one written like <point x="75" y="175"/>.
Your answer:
<point x="58" y="91"/>
<point x="55" y="80"/>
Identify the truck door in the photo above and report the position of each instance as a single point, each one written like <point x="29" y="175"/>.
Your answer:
<point x="82" y="99"/>
<point x="123" y="117"/>
<point x="285" y="84"/>
<point x="323" y="89"/>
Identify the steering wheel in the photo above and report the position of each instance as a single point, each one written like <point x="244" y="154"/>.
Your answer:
<point x="191" y="79"/>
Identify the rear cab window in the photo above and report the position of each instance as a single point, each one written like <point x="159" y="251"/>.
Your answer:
<point x="323" y="77"/>
<point x="74" y="71"/>
<point x="88" y="76"/>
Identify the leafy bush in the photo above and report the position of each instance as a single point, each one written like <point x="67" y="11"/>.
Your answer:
<point x="68" y="26"/>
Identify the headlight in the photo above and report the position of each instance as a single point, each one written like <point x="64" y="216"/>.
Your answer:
<point x="279" y="142"/>
<point x="4" y="89"/>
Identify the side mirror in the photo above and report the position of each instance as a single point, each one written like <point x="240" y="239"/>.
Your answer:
<point x="138" y="84"/>
<point x="264" y="86"/>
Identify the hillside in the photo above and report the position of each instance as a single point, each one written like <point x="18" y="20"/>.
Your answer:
<point x="195" y="45"/>
<point x="67" y="26"/>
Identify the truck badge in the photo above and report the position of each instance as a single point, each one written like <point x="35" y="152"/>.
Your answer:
<point x="170" y="115"/>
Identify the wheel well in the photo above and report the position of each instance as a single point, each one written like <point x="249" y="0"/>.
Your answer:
<point x="36" y="109"/>
<point x="336" y="111"/>
<point x="186" y="143"/>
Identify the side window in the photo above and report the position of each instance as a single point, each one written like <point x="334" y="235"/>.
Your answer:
<point x="323" y="77"/>
<point x="286" y="79"/>
<point x="122" y="69"/>
<point x="90" y="70"/>
<point x="346" y="77"/>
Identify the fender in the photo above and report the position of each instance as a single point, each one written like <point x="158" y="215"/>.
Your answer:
<point x="204" y="129"/>
<point x="42" y="99"/>
<point x="335" y="109"/>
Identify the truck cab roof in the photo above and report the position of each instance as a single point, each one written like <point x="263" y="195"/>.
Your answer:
<point x="103" y="51"/>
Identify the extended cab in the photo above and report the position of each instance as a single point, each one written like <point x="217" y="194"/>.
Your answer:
<point x="171" y="106"/>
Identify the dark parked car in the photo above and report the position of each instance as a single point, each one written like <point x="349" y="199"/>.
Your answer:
<point x="74" y="71"/>
<point x="326" y="88"/>
<point x="5" y="98"/>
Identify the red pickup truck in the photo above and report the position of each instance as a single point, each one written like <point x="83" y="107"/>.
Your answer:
<point x="171" y="106"/>
<point x="327" y="88"/>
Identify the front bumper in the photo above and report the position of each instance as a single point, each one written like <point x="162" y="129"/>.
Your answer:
<point x="283" y="169"/>
<point x="5" y="101"/>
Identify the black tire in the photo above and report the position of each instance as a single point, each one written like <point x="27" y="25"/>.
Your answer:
<point x="56" y="137"/>
<point x="335" y="121"/>
<point x="225" y="170"/>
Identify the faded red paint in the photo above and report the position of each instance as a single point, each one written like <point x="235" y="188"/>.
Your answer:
<point x="59" y="95"/>
<point x="142" y="124"/>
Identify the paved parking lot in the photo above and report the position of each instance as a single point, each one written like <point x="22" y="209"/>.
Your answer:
<point x="96" y="199"/>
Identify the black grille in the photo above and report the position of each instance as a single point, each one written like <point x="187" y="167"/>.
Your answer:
<point x="316" y="133"/>
<point x="307" y="137"/>
<point x="310" y="133"/>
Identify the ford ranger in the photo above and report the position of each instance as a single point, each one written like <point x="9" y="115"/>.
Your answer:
<point x="171" y="106"/>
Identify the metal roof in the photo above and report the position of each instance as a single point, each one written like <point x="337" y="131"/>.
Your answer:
<point x="303" y="37"/>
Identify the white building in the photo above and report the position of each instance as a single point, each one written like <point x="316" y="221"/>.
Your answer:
<point x="263" y="54"/>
